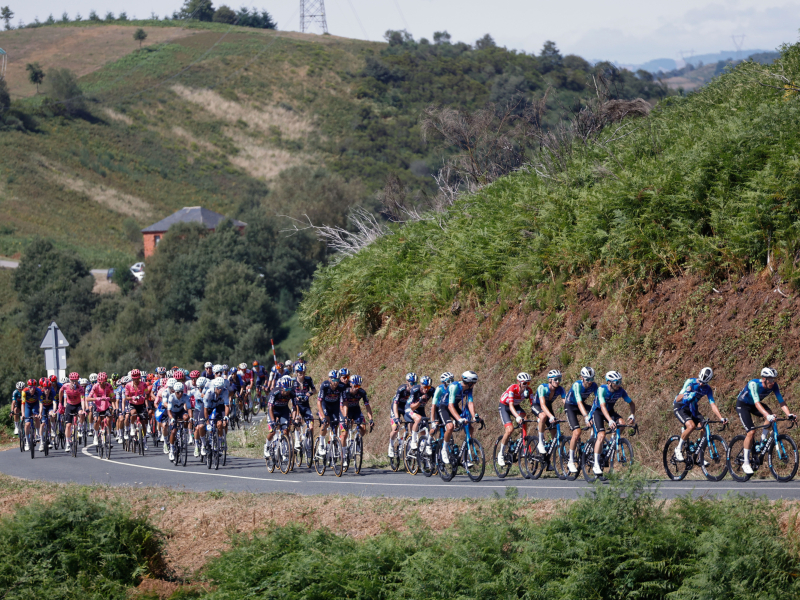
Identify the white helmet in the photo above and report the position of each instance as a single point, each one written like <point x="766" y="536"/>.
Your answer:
<point x="446" y="377"/>
<point x="20" y="385"/>
<point x="83" y="381"/>
<point x="93" y="377"/>
<point x="587" y="373"/>
<point x="64" y="380"/>
<point x="469" y="377"/>
<point x="769" y="372"/>
<point x="554" y="374"/>
<point x="706" y="373"/>
<point x="219" y="383"/>
<point x="171" y="382"/>
<point x="613" y="376"/>
<point x="201" y="382"/>
<point x="177" y="386"/>
<point x="242" y="366"/>
<point x="216" y="369"/>
<point x="207" y="365"/>
<point x="288" y="363"/>
<point x="523" y="377"/>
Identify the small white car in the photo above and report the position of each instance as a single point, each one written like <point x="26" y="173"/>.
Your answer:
<point x="137" y="271"/>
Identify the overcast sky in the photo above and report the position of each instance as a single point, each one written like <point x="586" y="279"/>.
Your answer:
<point x="625" y="31"/>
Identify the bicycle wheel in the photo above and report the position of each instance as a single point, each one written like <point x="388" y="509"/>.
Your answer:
<point x="107" y="442"/>
<point x="534" y="460"/>
<point x="32" y="439"/>
<point x="735" y="459"/>
<point x="358" y="455"/>
<point x="621" y="458"/>
<point x="782" y="458"/>
<point x="563" y="461"/>
<point x="74" y="436"/>
<point x="474" y="460"/>
<point x="101" y="444"/>
<point x="504" y="470"/>
<point x="447" y="470"/>
<point x="46" y="438"/>
<point x="319" y="461"/>
<point x="675" y="469"/>
<point x="140" y="436"/>
<point x="716" y="455"/>
<point x="410" y="458"/>
<point x="307" y="449"/>
<point x="427" y="453"/>
<point x="84" y="433"/>
<point x="335" y="449"/>
<point x="396" y="461"/>
<point x="285" y="452"/>
<point x="587" y="462"/>
<point x="224" y="448"/>
<point x="269" y="459"/>
<point x="22" y="436"/>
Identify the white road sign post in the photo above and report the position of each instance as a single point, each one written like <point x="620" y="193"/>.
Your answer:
<point x="54" y="345"/>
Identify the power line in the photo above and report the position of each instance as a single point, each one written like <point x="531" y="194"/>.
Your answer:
<point x="402" y="16"/>
<point x="364" y="31"/>
<point x="312" y="12"/>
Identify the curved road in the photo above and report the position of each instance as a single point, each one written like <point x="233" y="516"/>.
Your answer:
<point x="250" y="475"/>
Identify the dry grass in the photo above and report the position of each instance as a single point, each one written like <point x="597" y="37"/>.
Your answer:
<point x="103" y="286"/>
<point x="116" y="116"/>
<point x="260" y="160"/>
<point x="80" y="49"/>
<point x="183" y="134"/>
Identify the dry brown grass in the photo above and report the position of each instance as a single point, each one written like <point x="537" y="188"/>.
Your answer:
<point x="80" y="49"/>
<point x="183" y="134"/>
<point x="259" y="159"/>
<point x="116" y="116"/>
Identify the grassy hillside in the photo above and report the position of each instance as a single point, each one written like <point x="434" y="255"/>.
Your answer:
<point x="706" y="184"/>
<point x="213" y="115"/>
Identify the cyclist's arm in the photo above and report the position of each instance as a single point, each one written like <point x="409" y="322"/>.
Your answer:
<point x="543" y="404"/>
<point x="513" y="409"/>
<point x="471" y="406"/>
<point x="343" y="410"/>
<point x="604" y="409"/>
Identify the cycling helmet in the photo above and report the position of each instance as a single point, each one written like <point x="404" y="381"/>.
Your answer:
<point x="126" y="380"/>
<point x="179" y="375"/>
<point x="355" y="380"/>
<point x="178" y="387"/>
<point x="411" y="378"/>
<point x="194" y="374"/>
<point x="706" y="374"/>
<point x="299" y="355"/>
<point x="242" y="366"/>
<point x="102" y="377"/>
<point x="446" y="377"/>
<point x="170" y="374"/>
<point x="93" y="377"/>
<point x="201" y="382"/>
<point x="300" y="368"/>
<point x="216" y="369"/>
<point x="31" y="383"/>
<point x="114" y="376"/>
<point x="135" y="374"/>
<point x="84" y="381"/>
<point x="554" y="374"/>
<point x="145" y="374"/>
<point x="207" y="365"/>
<point x="74" y="377"/>
<point x="333" y="374"/>
<point x="225" y="367"/>
<point x="425" y="381"/>
<point x="20" y="385"/>
<point x="44" y="382"/>
<point x="587" y="373"/>
<point x="522" y="377"/>
<point x="219" y="383"/>
<point x="53" y="379"/>
<point x="286" y="383"/>
<point x="769" y="372"/>
<point x="288" y="362"/>
<point x="255" y="363"/>
<point x="65" y="380"/>
<point x="469" y="377"/>
<point x="171" y="382"/>
<point x="613" y="377"/>
<point x="344" y="372"/>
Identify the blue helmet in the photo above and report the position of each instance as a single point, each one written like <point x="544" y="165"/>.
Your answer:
<point x="344" y="372"/>
<point x="411" y="377"/>
<point x="286" y="383"/>
<point x="355" y="380"/>
<point x="334" y="374"/>
<point x="299" y="368"/>
<point x="425" y="381"/>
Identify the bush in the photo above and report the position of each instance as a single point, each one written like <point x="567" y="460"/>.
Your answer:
<point x="64" y="95"/>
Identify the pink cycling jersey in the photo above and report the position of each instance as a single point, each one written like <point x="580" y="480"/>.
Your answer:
<point x="73" y="394"/>
<point x="132" y="391"/>
<point x="102" y="396"/>
<point x="512" y="395"/>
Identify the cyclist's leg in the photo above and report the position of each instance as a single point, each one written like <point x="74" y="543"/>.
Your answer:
<point x="508" y="425"/>
<point x="416" y="419"/>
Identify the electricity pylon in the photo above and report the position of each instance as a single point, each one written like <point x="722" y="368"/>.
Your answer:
<point x="312" y="12"/>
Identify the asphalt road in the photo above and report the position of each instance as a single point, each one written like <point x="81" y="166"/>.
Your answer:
<point x="251" y="475"/>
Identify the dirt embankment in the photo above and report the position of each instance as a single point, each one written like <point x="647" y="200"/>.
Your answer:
<point x="656" y="340"/>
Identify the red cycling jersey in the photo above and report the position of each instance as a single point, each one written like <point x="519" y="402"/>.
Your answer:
<point x="512" y="395"/>
<point x="73" y="394"/>
<point x="102" y="396"/>
<point x="136" y="394"/>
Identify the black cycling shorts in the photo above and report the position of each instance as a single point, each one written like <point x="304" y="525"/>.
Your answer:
<point x="139" y="409"/>
<point x="599" y="421"/>
<point x="747" y="411"/>
<point x="331" y="411"/>
<point x="283" y="417"/>
<point x="444" y="413"/>
<point x="354" y="413"/>
<point x="71" y="411"/>
<point x="684" y="413"/>
<point x="574" y="415"/>
<point x="305" y="412"/>
<point x="177" y="416"/>
<point x="537" y="408"/>
<point x="505" y="414"/>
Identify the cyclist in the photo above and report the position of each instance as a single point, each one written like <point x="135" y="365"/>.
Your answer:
<point x="749" y="404"/>
<point x="452" y="411"/>
<point x="31" y="398"/>
<point x="119" y="396"/>
<point x="48" y="397"/>
<point x="216" y="405"/>
<point x="415" y="408"/>
<point x="511" y="410"/>
<point x="102" y="395"/>
<point x="161" y="410"/>
<point x="303" y="387"/>
<point x="16" y="404"/>
<point x="575" y="406"/>
<point x="74" y="405"/>
<point x="86" y="386"/>
<point x="542" y="404"/>
<point x="328" y="398"/>
<point x="208" y="371"/>
<point x="197" y="393"/>
<point x="398" y="407"/>
<point x="300" y="361"/>
<point x="278" y="411"/>
<point x="136" y="394"/>
<point x="440" y="396"/>
<point x="274" y="376"/>
<point x="193" y="377"/>
<point x="685" y="405"/>
<point x="350" y="407"/>
<point x="603" y="410"/>
<point x="179" y="406"/>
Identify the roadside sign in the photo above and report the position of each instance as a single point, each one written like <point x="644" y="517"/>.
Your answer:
<point x="54" y="345"/>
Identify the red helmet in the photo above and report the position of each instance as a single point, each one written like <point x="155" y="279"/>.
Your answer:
<point x="150" y="377"/>
<point x="102" y="377"/>
<point x="44" y="382"/>
<point x="74" y="377"/>
<point x="179" y="375"/>
<point x="194" y="374"/>
<point x="136" y="374"/>
<point x="53" y="379"/>
<point x="31" y="383"/>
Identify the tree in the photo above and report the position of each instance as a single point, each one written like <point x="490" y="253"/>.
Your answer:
<point x="93" y="16"/>
<point x="6" y="14"/>
<point x="65" y="17"/>
<point x="140" y="35"/>
<point x="225" y="14"/>
<point x="64" y="96"/>
<point x="5" y="98"/>
<point x="110" y="16"/>
<point x="198" y="10"/>
<point x="35" y="74"/>
<point x="485" y="42"/>
<point x="441" y="37"/>
<point x="123" y="16"/>
<point x="550" y="57"/>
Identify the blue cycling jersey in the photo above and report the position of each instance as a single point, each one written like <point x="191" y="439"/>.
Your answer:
<point x="543" y="393"/>
<point x="457" y="393"/>
<point x="691" y="393"/>
<point x="755" y="391"/>
<point x="609" y="398"/>
<point x="579" y="390"/>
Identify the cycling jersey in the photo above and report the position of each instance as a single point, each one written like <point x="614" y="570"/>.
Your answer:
<point x="609" y="398"/>
<point x="755" y="391"/>
<point x="47" y="396"/>
<point x="280" y="398"/>
<point x="31" y="395"/>
<point x="543" y="393"/>
<point x="405" y="393"/>
<point x="247" y="376"/>
<point x="136" y="394"/>
<point x="102" y="391"/>
<point x="211" y="399"/>
<point x="513" y="395"/>
<point x="73" y="395"/>
<point x="16" y="397"/>
<point x="176" y="404"/>
<point x="304" y="388"/>
<point x="691" y="393"/>
<point x="421" y="397"/>
<point x="456" y="393"/>
<point x="440" y="395"/>
<point x="275" y="373"/>
<point x="330" y="391"/>
<point x="579" y="390"/>
<point x="351" y="398"/>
